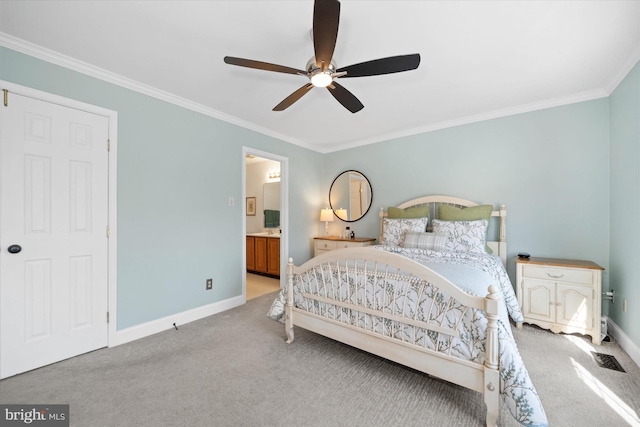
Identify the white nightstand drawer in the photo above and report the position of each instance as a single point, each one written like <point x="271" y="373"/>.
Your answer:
<point x="342" y="245"/>
<point x="572" y="275"/>
<point x="331" y="243"/>
<point x="326" y="245"/>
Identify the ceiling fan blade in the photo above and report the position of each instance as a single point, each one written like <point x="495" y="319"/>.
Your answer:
<point x="249" y="63"/>
<point x="391" y="64"/>
<point x="326" y="18"/>
<point x="344" y="97"/>
<point x="289" y="100"/>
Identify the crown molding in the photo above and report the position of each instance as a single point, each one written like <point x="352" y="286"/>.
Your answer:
<point x="65" y="61"/>
<point x="496" y="114"/>
<point x="626" y="68"/>
<point x="57" y="58"/>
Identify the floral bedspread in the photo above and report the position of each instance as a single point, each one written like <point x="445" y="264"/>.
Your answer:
<point x="472" y="272"/>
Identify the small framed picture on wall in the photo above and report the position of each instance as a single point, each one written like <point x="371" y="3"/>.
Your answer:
<point x="251" y="206"/>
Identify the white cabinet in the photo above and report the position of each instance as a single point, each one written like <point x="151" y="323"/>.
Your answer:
<point x="330" y="243"/>
<point x="560" y="295"/>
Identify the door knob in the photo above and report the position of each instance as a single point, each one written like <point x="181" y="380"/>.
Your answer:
<point x="14" y="249"/>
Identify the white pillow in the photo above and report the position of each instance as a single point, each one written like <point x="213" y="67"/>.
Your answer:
<point x="433" y="241"/>
<point x="394" y="229"/>
<point x="464" y="236"/>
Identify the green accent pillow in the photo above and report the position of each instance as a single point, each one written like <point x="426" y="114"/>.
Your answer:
<point x="415" y="212"/>
<point x="472" y="213"/>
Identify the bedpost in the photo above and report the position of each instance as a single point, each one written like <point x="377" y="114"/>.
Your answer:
<point x="288" y="320"/>
<point x="503" y="223"/>
<point x="381" y="231"/>
<point x="502" y="244"/>
<point x="491" y="361"/>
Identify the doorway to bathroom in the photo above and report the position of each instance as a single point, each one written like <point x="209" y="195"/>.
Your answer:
<point x="265" y="219"/>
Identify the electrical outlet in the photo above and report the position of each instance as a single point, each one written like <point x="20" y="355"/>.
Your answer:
<point x="209" y="284"/>
<point x="624" y="305"/>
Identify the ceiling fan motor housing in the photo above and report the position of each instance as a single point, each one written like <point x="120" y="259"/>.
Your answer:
<point x="318" y="76"/>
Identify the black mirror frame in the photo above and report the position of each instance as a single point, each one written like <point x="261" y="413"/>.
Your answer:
<point x="370" y="201"/>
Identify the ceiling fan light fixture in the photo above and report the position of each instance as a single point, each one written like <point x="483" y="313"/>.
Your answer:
<point x="321" y="78"/>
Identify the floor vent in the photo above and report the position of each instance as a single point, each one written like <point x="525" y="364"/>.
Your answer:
<point x="607" y="361"/>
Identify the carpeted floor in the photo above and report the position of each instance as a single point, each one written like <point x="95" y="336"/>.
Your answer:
<point x="234" y="369"/>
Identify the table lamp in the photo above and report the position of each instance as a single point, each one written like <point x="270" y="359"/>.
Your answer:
<point x="326" y="215"/>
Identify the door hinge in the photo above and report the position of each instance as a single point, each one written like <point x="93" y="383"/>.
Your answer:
<point x="107" y="317"/>
<point x="108" y="231"/>
<point x="108" y="145"/>
<point x="6" y="97"/>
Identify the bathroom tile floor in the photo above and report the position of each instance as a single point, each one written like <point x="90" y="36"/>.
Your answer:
<point x="258" y="285"/>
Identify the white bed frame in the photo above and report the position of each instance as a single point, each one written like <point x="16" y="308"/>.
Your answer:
<point x="483" y="378"/>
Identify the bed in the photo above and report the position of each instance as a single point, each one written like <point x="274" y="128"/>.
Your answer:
<point x="428" y="297"/>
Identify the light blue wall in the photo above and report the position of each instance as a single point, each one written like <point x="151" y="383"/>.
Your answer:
<point x="625" y="203"/>
<point x="549" y="167"/>
<point x="176" y="171"/>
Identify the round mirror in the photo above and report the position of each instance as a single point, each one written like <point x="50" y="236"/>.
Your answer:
<point x="350" y="196"/>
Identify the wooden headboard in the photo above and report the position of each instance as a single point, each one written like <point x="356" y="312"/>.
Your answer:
<point x="499" y="247"/>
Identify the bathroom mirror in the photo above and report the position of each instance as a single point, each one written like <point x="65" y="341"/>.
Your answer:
<point x="350" y="196"/>
<point x="271" y="203"/>
<point x="271" y="193"/>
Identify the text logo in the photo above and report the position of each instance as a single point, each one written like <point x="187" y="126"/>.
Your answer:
<point x="34" y="415"/>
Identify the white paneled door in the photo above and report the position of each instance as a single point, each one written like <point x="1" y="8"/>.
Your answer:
<point x="53" y="233"/>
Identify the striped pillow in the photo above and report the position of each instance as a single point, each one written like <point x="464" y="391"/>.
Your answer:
<point x="432" y="241"/>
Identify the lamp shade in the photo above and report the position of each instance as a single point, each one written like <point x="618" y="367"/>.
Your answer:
<point x="342" y="214"/>
<point x="326" y="215"/>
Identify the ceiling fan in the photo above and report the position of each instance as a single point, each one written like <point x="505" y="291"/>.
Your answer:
<point x="321" y="69"/>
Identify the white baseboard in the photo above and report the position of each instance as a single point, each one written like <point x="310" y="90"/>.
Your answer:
<point x="625" y="342"/>
<point x="145" y="329"/>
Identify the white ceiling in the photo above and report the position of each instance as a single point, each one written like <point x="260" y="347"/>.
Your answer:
<point x="480" y="59"/>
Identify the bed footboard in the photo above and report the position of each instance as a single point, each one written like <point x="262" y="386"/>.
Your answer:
<point x="363" y="298"/>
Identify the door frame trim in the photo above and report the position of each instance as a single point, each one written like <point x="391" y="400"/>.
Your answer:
<point x="112" y="242"/>
<point x="284" y="213"/>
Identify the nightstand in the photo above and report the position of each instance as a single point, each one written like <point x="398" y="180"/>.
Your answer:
<point x="330" y="243"/>
<point x="561" y="295"/>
